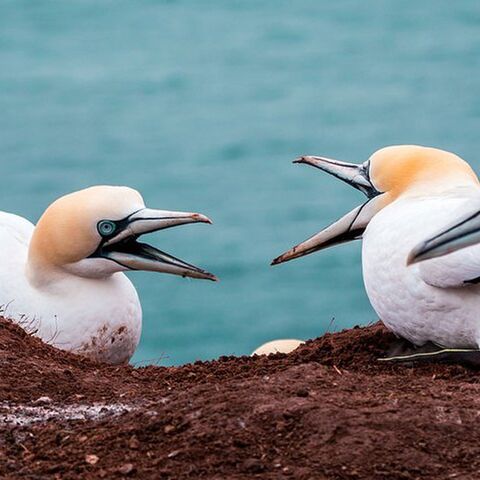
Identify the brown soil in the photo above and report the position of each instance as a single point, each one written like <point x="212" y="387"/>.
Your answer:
<point x="328" y="410"/>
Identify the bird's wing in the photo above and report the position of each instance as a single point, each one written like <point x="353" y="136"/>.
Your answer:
<point x="457" y="269"/>
<point x="15" y="234"/>
<point x="460" y="268"/>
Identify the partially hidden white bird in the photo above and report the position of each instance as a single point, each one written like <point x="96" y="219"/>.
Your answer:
<point x="63" y="279"/>
<point x="421" y="231"/>
<point x="284" y="345"/>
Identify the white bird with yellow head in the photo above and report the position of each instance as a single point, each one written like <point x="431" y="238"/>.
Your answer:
<point x="63" y="279"/>
<point x="420" y="228"/>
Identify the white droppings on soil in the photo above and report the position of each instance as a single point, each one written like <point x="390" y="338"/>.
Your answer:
<point x="23" y="415"/>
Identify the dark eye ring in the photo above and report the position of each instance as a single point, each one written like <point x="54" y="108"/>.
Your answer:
<point x="106" y="228"/>
<point x="366" y="168"/>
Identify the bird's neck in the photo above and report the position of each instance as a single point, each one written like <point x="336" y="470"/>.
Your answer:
<point x="49" y="277"/>
<point x="440" y="187"/>
<point x="43" y="276"/>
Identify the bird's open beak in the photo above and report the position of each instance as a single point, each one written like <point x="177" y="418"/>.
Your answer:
<point x="353" y="224"/>
<point x="124" y="249"/>
<point x="460" y="235"/>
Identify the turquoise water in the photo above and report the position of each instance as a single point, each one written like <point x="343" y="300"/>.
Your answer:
<point x="202" y="106"/>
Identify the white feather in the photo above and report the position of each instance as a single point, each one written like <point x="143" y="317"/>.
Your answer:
<point x="429" y="301"/>
<point x="98" y="317"/>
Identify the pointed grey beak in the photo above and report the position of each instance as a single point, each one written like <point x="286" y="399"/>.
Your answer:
<point x="353" y="224"/>
<point x="355" y="175"/>
<point x="123" y="248"/>
<point x="461" y="235"/>
<point x="148" y="220"/>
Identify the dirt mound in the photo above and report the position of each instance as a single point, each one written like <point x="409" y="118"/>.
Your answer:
<point x="328" y="410"/>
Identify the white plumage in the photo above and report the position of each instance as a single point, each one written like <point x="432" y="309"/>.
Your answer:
<point x="428" y="301"/>
<point x="63" y="280"/>
<point x="421" y="241"/>
<point x="97" y="317"/>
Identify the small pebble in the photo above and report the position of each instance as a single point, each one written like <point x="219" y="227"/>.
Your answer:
<point x="91" y="459"/>
<point x="126" y="469"/>
<point x="134" y="443"/>
<point x="173" y="454"/>
<point x="302" y="393"/>
<point x="253" y="465"/>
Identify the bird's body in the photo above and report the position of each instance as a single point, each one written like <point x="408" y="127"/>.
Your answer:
<point x="59" y="284"/>
<point x="97" y="317"/>
<point x="431" y="301"/>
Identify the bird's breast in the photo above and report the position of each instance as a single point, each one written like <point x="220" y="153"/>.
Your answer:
<point x="100" y="319"/>
<point x="402" y="299"/>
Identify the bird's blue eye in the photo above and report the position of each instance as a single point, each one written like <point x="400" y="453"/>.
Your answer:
<point x="106" y="228"/>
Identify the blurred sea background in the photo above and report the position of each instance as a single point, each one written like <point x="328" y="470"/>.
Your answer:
<point x="202" y="106"/>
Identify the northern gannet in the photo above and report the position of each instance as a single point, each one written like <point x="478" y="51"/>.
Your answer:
<point x="278" y="346"/>
<point x="62" y="279"/>
<point x="413" y="194"/>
